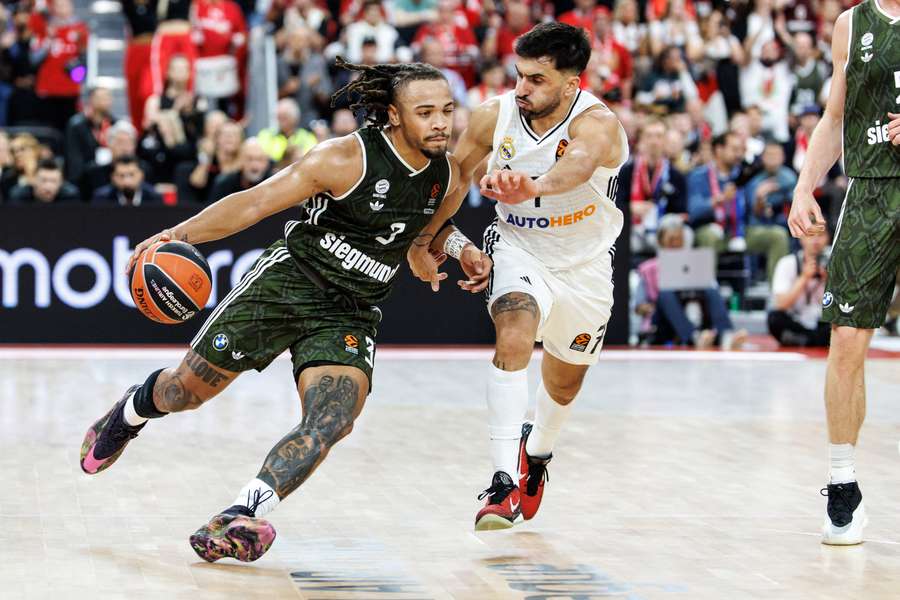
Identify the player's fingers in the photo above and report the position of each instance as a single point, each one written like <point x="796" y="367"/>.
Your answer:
<point x="485" y="182"/>
<point x="820" y="219"/>
<point x="492" y="194"/>
<point x="803" y="224"/>
<point x="436" y="281"/>
<point x="440" y="258"/>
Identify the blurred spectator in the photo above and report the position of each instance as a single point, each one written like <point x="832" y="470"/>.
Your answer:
<point x="493" y="83"/>
<point x="798" y="286"/>
<point x="275" y="141"/>
<point x="141" y="25"/>
<point x="172" y="38"/>
<point x="808" y="73"/>
<point x="47" y="187"/>
<point x="748" y="127"/>
<point x="303" y="75"/>
<point x="760" y="28"/>
<point x="409" y="15"/>
<point x="173" y="121"/>
<point x="717" y="208"/>
<point x="612" y="58"/>
<point x="652" y="186"/>
<point x="60" y="47"/>
<point x="343" y="122"/>
<point x="87" y="135"/>
<point x="767" y="83"/>
<point x="581" y="16"/>
<point x="433" y="54"/>
<point x="501" y="35"/>
<point x="24" y="149"/>
<point x="628" y="29"/>
<point x="6" y="163"/>
<point x="724" y="51"/>
<point x="255" y="167"/>
<point x="128" y="187"/>
<point x="19" y="66"/>
<point x="769" y="192"/>
<point x="288" y="15"/>
<point x="220" y="36"/>
<point x="665" y="317"/>
<point x="679" y="156"/>
<point x="371" y="26"/>
<point x="460" y="49"/>
<point x="218" y="153"/>
<point x="677" y="28"/>
<point x="669" y="87"/>
<point x="122" y="140"/>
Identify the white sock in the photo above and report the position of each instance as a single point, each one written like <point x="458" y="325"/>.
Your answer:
<point x="842" y="463"/>
<point x="549" y="417"/>
<point x="131" y="416"/>
<point x="507" y="399"/>
<point x="258" y="489"/>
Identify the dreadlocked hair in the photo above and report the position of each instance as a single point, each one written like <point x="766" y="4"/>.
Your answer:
<point x="377" y="86"/>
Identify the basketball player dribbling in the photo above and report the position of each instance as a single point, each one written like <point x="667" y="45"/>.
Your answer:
<point x="555" y="153"/>
<point x="862" y="123"/>
<point x="366" y="198"/>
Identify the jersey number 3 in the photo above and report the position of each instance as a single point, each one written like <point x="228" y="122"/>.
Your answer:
<point x="396" y="229"/>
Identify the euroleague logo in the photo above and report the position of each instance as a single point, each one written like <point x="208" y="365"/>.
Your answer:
<point x="561" y="148"/>
<point x="351" y="344"/>
<point x="579" y="344"/>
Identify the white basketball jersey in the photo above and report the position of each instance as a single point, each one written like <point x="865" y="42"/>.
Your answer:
<point x="562" y="230"/>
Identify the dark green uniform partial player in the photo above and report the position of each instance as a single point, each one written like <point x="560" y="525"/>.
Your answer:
<point x="366" y="198"/>
<point x="864" y="104"/>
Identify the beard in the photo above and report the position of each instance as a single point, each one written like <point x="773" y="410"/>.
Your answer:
<point x="535" y="113"/>
<point x="434" y="152"/>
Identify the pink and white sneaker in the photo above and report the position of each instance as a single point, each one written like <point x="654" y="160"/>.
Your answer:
<point x="105" y="441"/>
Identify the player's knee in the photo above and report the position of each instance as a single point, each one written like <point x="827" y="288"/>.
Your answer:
<point x="514" y="344"/>
<point x="563" y="391"/>
<point x="849" y="344"/>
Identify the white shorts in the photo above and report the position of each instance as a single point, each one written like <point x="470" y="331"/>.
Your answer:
<point x="575" y="303"/>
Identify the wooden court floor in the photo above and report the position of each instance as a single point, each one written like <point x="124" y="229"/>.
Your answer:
<point x="675" y="479"/>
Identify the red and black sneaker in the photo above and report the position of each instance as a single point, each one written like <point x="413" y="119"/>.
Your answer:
<point x="501" y="504"/>
<point x="532" y="475"/>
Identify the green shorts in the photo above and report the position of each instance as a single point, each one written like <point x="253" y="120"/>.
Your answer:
<point x="275" y="308"/>
<point x="865" y="256"/>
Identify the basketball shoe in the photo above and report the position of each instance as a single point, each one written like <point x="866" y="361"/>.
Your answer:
<point x="846" y="514"/>
<point x="105" y="441"/>
<point x="532" y="475"/>
<point x="501" y="504"/>
<point x="235" y="533"/>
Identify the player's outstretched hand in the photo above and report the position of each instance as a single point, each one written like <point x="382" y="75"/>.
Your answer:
<point x="477" y="266"/>
<point x="894" y="129"/>
<point x="509" y="187"/>
<point x="164" y="236"/>
<point x="806" y="218"/>
<point x="424" y="263"/>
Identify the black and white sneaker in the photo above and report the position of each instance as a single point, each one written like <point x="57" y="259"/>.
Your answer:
<point x="846" y="515"/>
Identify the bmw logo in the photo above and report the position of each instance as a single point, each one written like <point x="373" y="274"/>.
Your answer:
<point x="220" y="342"/>
<point x="827" y="299"/>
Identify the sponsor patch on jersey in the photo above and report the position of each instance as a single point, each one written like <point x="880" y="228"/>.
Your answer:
<point x="507" y="149"/>
<point x="351" y="344"/>
<point x="435" y="191"/>
<point x="353" y="259"/>
<point x="561" y="148"/>
<point x="382" y="186"/>
<point x="580" y="343"/>
<point x="552" y="221"/>
<point x="220" y="342"/>
<point x="827" y="299"/>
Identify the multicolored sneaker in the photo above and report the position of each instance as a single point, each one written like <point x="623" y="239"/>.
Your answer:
<point x="532" y="475"/>
<point x="234" y="533"/>
<point x="105" y="441"/>
<point x="502" y="504"/>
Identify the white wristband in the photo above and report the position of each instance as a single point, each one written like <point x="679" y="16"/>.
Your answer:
<point x="455" y="243"/>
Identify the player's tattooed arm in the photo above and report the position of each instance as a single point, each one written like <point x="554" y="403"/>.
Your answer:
<point x="329" y="408"/>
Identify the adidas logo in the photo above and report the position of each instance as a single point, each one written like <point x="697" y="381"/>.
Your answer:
<point x="376" y="206"/>
<point x="525" y="279"/>
<point x="846" y="308"/>
<point x="237" y="355"/>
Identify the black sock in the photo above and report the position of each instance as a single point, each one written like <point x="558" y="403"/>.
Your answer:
<point x="143" y="399"/>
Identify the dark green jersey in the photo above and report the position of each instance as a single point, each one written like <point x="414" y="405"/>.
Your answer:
<point x="873" y="90"/>
<point x="357" y="241"/>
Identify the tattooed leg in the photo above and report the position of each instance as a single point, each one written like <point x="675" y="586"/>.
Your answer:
<point x="332" y="398"/>
<point x="189" y="385"/>
<point x="516" y="317"/>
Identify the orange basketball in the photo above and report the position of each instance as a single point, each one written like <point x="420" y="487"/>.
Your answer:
<point x="171" y="282"/>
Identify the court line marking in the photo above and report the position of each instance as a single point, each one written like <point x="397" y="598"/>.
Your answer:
<point x="398" y="353"/>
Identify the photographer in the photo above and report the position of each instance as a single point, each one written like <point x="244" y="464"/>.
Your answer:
<point x="798" y="287"/>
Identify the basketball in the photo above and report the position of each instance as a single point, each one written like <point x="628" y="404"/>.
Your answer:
<point x="171" y="282"/>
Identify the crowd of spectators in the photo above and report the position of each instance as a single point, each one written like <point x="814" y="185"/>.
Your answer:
<point x="719" y="100"/>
